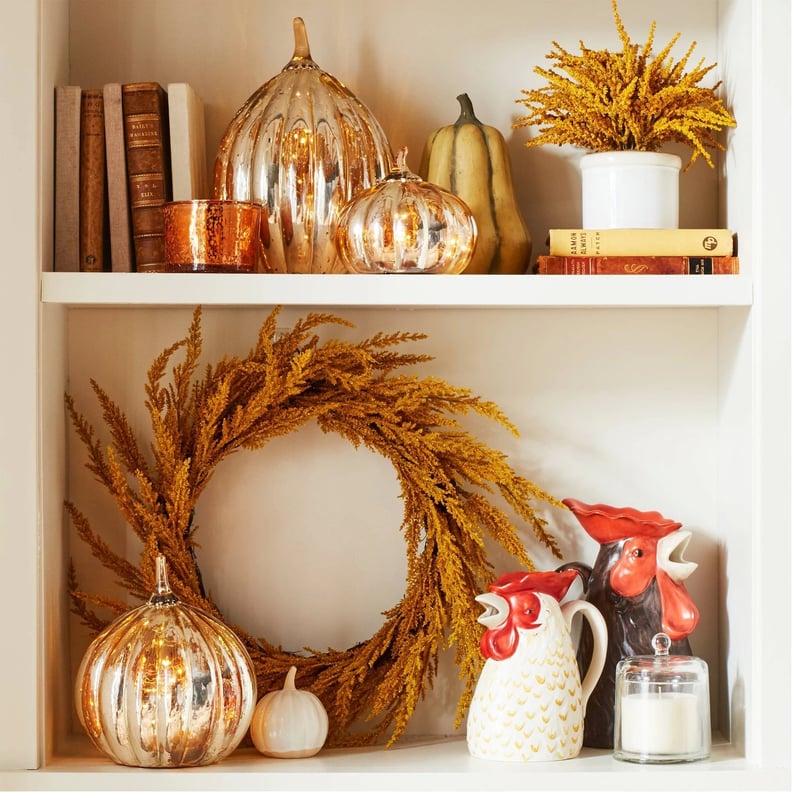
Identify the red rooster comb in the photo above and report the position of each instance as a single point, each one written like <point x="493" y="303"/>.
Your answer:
<point x="611" y="523"/>
<point x="556" y="584"/>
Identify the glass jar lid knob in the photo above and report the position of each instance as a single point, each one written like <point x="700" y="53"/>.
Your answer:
<point x="662" y="644"/>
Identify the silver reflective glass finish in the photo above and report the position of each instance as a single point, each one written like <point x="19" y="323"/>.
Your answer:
<point x="406" y="225"/>
<point x="302" y="146"/>
<point x="166" y="685"/>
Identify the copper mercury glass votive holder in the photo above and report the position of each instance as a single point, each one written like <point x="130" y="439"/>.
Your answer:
<point x="212" y="235"/>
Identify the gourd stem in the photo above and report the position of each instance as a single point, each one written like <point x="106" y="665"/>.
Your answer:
<point x="301" y="49"/>
<point x="466" y="114"/>
<point x="289" y="683"/>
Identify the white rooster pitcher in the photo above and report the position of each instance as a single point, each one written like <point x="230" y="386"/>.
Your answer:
<point x="529" y="702"/>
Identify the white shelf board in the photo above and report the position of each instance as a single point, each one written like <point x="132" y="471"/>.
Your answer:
<point x="484" y="291"/>
<point x="425" y="765"/>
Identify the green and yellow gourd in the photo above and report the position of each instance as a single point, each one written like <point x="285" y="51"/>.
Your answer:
<point x="470" y="160"/>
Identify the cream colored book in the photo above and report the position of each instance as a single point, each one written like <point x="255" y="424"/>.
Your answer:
<point x="642" y="242"/>
<point x="188" y="143"/>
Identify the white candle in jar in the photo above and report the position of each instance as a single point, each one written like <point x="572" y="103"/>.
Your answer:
<point x="660" y="724"/>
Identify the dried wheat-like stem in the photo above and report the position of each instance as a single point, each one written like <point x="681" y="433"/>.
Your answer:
<point x="628" y="100"/>
<point x="286" y="380"/>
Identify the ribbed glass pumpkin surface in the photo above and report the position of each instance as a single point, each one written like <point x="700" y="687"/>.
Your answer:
<point x="166" y="685"/>
<point x="407" y="225"/>
<point x="302" y="145"/>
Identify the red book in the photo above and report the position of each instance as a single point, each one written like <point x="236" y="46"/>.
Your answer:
<point x="637" y="265"/>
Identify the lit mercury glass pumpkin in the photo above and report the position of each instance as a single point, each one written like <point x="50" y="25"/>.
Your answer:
<point x="166" y="685"/>
<point x="302" y="145"/>
<point x="406" y="224"/>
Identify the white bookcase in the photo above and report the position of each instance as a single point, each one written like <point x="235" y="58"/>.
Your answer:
<point x="668" y="393"/>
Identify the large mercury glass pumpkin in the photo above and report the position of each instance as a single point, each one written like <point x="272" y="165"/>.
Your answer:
<point x="302" y="145"/>
<point x="405" y="224"/>
<point x="166" y="685"/>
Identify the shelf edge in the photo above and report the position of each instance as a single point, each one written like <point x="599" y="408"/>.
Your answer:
<point x="438" y="291"/>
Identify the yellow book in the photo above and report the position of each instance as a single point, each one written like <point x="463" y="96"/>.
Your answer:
<point x="642" y="242"/>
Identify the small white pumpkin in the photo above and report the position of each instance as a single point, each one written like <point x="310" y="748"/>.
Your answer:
<point x="289" y="723"/>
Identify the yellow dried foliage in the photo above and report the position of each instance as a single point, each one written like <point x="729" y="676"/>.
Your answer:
<point x="628" y="100"/>
<point x="286" y="380"/>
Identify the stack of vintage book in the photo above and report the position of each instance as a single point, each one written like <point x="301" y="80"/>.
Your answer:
<point x="639" y="251"/>
<point x="121" y="152"/>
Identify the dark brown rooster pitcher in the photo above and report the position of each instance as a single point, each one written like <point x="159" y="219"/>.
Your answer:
<point x="637" y="584"/>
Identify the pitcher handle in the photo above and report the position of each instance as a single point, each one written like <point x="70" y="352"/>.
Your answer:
<point x="584" y="571"/>
<point x="600" y="640"/>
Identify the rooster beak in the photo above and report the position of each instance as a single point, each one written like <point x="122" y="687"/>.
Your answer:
<point x="496" y="610"/>
<point x="670" y="556"/>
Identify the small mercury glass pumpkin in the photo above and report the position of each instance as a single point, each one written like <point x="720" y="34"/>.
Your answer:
<point x="302" y="145"/>
<point x="289" y="723"/>
<point x="406" y="224"/>
<point x="166" y="685"/>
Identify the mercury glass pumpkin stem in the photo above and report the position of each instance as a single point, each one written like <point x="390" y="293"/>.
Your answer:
<point x="301" y="49"/>
<point x="163" y="595"/>
<point x="162" y="576"/>
<point x="401" y="159"/>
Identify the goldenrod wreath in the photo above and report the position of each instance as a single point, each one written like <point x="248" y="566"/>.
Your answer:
<point x="286" y="380"/>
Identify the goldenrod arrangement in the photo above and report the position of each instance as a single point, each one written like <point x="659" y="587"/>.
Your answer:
<point x="286" y="380"/>
<point x="628" y="100"/>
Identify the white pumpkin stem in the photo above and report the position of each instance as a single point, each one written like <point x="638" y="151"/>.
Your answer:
<point x="301" y="49"/>
<point x="289" y="683"/>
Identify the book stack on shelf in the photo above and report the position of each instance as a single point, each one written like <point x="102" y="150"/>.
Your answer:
<point x="121" y="152"/>
<point x="640" y="251"/>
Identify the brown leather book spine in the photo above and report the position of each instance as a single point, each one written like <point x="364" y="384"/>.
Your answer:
<point x="146" y="135"/>
<point x="92" y="182"/>
<point x="68" y="99"/>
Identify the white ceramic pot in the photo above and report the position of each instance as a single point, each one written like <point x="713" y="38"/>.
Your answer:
<point x="630" y="189"/>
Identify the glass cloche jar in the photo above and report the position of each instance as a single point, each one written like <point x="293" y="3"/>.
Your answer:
<point x="662" y="707"/>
